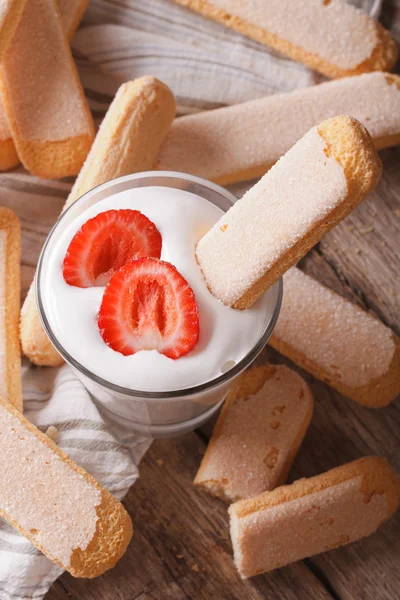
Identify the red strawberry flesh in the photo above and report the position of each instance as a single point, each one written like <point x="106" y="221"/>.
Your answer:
<point x="148" y="305"/>
<point x="107" y="242"/>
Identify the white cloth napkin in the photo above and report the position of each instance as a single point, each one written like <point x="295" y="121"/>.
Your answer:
<point x="206" y="65"/>
<point x="55" y="397"/>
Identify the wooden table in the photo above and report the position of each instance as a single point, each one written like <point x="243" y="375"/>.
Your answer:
<point x="181" y="547"/>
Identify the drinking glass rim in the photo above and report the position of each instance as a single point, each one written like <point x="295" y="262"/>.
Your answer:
<point x="151" y="176"/>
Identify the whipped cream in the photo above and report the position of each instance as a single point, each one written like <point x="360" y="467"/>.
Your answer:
<point x="226" y="334"/>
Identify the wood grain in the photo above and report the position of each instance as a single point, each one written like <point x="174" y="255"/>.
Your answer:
<point x="364" y="249"/>
<point x="181" y="546"/>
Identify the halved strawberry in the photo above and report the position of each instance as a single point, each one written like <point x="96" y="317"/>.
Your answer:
<point x="107" y="242"/>
<point x="148" y="305"/>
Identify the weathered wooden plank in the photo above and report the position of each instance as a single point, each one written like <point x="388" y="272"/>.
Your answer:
<point x="58" y="592"/>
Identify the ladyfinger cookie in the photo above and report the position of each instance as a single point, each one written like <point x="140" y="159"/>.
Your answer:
<point x="311" y="189"/>
<point x="71" y="13"/>
<point x="337" y="342"/>
<point x="81" y="526"/>
<point x="8" y="152"/>
<point x="128" y="141"/>
<point x="50" y="121"/>
<point x="10" y="288"/>
<point x="130" y="135"/>
<point x="10" y="15"/>
<point x="312" y="515"/>
<point x="258" y="434"/>
<point x="240" y="142"/>
<point x="330" y="36"/>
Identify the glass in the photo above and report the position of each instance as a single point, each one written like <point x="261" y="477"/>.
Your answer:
<point x="372" y="6"/>
<point x="158" y="414"/>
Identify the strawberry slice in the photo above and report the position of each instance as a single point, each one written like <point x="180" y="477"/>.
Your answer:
<point x="148" y="305"/>
<point x="107" y="242"/>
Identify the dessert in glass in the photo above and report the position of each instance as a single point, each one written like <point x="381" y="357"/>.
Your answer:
<point x="124" y="302"/>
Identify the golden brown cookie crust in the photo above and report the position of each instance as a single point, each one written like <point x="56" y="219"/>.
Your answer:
<point x="8" y="155"/>
<point x="214" y="144"/>
<point x="9" y="223"/>
<point x="49" y="148"/>
<point x="249" y="384"/>
<point x="113" y="527"/>
<point x="377" y="393"/>
<point x="382" y="58"/>
<point x="71" y="14"/>
<point x="10" y="23"/>
<point x="312" y="515"/>
<point x="353" y="148"/>
<point x="378" y="477"/>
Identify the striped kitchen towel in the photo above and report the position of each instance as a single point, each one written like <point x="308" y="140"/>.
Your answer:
<point x="55" y="397"/>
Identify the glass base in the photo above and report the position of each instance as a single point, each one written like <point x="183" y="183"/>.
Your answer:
<point x="159" y="431"/>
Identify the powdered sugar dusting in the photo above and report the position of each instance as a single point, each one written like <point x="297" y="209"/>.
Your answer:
<point x="44" y="93"/>
<point x="343" y="340"/>
<point x="44" y="495"/>
<point x="298" y="192"/>
<point x="218" y="143"/>
<point x="336" y="31"/>
<point x="268" y="539"/>
<point x="252" y="449"/>
<point x="68" y="10"/>
<point x="3" y="337"/>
